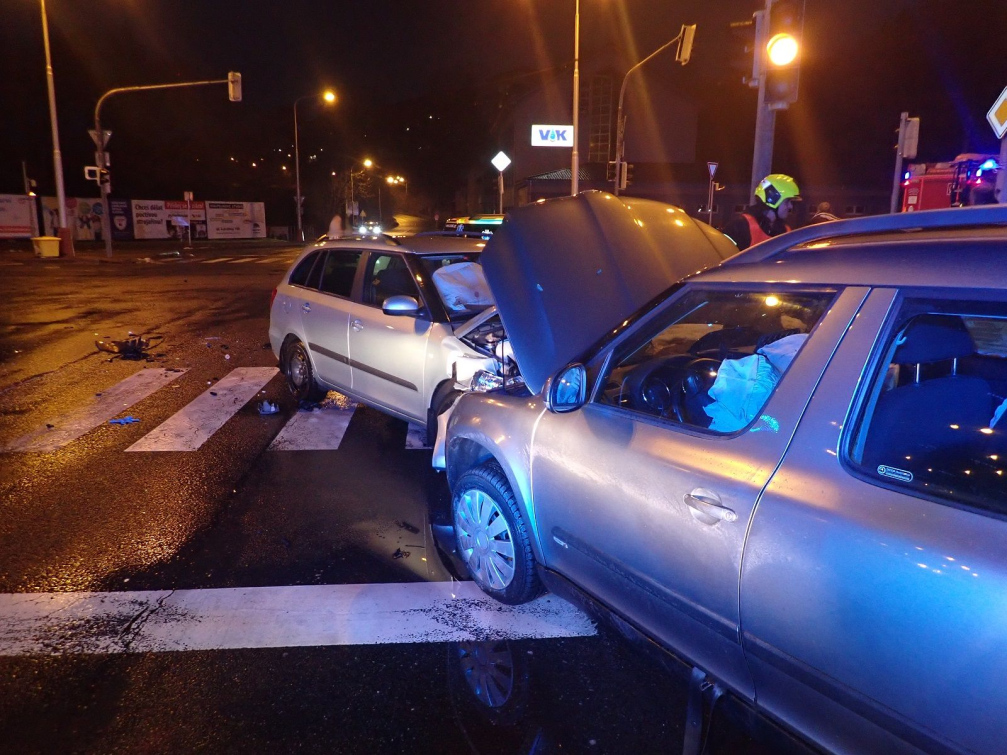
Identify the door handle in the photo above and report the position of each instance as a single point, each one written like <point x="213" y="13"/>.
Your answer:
<point x="357" y="325"/>
<point x="306" y="307"/>
<point x="708" y="504"/>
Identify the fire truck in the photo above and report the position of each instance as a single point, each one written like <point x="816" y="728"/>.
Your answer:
<point x="969" y="179"/>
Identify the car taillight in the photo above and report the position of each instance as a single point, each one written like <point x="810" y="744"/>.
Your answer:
<point x="272" y="298"/>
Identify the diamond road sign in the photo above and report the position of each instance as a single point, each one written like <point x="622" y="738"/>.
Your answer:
<point x="500" y="162"/>
<point x="997" y="116"/>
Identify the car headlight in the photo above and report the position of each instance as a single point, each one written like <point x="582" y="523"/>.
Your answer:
<point x="484" y="381"/>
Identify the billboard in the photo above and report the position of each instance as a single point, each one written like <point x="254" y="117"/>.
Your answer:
<point x="143" y="219"/>
<point x="83" y="214"/>
<point x="17" y="216"/>
<point x="235" y="220"/>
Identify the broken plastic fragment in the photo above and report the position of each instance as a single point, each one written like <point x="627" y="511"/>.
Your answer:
<point x="268" y="407"/>
<point x="124" y="420"/>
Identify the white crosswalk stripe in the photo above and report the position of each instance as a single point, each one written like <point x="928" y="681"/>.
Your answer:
<point x="192" y="426"/>
<point x="319" y="430"/>
<point x="108" y="404"/>
<point x="216" y="260"/>
<point x="273" y="617"/>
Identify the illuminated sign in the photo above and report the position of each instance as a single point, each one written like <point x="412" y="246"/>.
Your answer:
<point x="551" y="136"/>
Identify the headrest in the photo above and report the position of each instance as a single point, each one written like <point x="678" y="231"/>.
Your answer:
<point x="934" y="338"/>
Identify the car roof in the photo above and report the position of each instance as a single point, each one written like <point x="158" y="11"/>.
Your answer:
<point x="420" y="244"/>
<point x="956" y="248"/>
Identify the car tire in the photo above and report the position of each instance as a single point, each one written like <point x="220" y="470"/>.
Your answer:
<point x="492" y="536"/>
<point x="300" y="377"/>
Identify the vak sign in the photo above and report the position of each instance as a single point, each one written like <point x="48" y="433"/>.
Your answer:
<point x="551" y="136"/>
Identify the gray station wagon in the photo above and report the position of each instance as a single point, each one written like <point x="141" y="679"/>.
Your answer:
<point x="789" y="469"/>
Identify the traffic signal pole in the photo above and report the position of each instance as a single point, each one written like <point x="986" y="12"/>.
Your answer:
<point x="765" y="119"/>
<point x="233" y="81"/>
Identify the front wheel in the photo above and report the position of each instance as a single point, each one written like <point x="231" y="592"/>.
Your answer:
<point x="493" y="537"/>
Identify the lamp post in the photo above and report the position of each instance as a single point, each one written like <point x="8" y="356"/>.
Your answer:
<point x="575" y="155"/>
<point x="57" y="157"/>
<point x="330" y="97"/>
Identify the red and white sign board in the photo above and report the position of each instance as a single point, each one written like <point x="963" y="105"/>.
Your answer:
<point x="997" y="116"/>
<point x="17" y="216"/>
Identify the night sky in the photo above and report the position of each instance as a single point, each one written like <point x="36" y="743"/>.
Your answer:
<point x="418" y="84"/>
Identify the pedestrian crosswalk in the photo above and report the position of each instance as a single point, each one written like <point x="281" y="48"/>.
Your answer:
<point x="248" y="259"/>
<point x="318" y="429"/>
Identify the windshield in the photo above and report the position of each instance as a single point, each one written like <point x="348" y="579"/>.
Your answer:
<point x="460" y="283"/>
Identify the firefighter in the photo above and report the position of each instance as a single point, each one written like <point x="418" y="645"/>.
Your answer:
<point x="767" y="216"/>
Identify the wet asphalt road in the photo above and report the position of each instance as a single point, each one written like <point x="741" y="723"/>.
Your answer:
<point x="91" y="517"/>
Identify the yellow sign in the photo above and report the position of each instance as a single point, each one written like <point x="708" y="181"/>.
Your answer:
<point x="997" y="116"/>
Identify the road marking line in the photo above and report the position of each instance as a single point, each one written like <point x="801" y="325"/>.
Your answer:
<point x="239" y="260"/>
<point x="218" y="259"/>
<point x="264" y="260"/>
<point x="192" y="426"/>
<point x="416" y="438"/>
<point x="274" y="617"/>
<point x="319" y="430"/>
<point x="111" y="402"/>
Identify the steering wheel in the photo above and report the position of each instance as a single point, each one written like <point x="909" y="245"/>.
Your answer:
<point x="694" y="381"/>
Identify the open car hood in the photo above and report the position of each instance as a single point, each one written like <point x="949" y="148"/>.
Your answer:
<point x="565" y="271"/>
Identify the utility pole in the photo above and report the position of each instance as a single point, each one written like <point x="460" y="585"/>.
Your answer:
<point x="65" y="233"/>
<point x="765" y="119"/>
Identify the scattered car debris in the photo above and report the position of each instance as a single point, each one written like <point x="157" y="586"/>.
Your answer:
<point x="399" y="553"/>
<point x="124" y="420"/>
<point x="408" y="527"/>
<point x="213" y="393"/>
<point x="170" y="254"/>
<point x="135" y="347"/>
<point x="268" y="407"/>
<point x="50" y="427"/>
<point x="227" y="356"/>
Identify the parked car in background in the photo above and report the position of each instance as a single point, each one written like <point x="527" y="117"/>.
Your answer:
<point x="789" y="469"/>
<point x="379" y="320"/>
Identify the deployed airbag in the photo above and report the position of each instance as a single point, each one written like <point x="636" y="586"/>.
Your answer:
<point x="743" y="386"/>
<point x="462" y="286"/>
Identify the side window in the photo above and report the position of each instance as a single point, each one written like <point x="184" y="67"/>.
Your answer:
<point x="933" y="421"/>
<point x="716" y="359"/>
<point x="388" y="275"/>
<point x="338" y="272"/>
<point x="300" y="275"/>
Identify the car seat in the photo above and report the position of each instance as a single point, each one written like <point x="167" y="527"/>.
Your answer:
<point x="394" y="280"/>
<point x="930" y="424"/>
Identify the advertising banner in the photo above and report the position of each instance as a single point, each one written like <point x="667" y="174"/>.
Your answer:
<point x="235" y="220"/>
<point x="82" y="214"/>
<point x="122" y="219"/>
<point x="17" y="216"/>
<point x="150" y="219"/>
<point x="181" y="214"/>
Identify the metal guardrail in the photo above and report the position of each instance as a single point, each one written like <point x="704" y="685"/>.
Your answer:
<point x="955" y="217"/>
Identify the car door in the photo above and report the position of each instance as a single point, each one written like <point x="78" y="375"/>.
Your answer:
<point x="645" y="506"/>
<point x="872" y="595"/>
<point x="389" y="352"/>
<point x="325" y="315"/>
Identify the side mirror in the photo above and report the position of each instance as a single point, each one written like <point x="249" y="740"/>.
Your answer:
<point x="400" y="305"/>
<point x="566" y="391"/>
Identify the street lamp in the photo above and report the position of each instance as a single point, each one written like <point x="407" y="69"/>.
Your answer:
<point x="330" y="98"/>
<point x="65" y="234"/>
<point x="575" y="156"/>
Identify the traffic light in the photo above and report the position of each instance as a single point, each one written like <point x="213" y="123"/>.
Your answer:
<point x="783" y="52"/>
<point x="747" y="57"/>
<point x="627" y="175"/>
<point x="234" y="86"/>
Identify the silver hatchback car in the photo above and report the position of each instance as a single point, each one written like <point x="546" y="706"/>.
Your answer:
<point x="789" y="470"/>
<point x="389" y="322"/>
